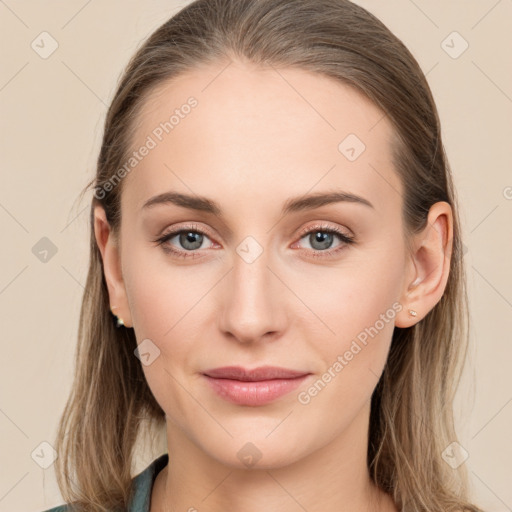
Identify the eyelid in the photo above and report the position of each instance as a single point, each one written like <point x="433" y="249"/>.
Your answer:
<point x="322" y="226"/>
<point x="175" y="230"/>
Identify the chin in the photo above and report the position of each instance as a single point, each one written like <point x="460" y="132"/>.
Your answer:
<point x="254" y="452"/>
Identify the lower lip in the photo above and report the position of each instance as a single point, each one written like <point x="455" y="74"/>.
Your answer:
<point x="254" y="393"/>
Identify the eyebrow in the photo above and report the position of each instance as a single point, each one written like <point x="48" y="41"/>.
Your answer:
<point x="306" y="202"/>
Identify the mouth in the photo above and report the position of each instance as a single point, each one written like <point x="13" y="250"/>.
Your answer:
<point x="255" y="387"/>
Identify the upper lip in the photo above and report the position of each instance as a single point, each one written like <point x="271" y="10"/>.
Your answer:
<point x="255" y="374"/>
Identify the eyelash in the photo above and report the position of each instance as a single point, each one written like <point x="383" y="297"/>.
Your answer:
<point x="329" y="253"/>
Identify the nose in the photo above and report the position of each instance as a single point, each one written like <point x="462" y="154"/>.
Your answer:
<point x="252" y="302"/>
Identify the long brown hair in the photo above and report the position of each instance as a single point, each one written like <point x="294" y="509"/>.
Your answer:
<point x="411" y="420"/>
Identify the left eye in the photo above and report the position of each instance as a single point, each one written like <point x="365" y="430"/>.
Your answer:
<point x="322" y="239"/>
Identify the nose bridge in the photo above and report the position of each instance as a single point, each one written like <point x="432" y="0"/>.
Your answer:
<point x="251" y="305"/>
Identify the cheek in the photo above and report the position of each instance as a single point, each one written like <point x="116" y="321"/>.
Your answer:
<point x="355" y="307"/>
<point x="162" y="295"/>
<point x="352" y="296"/>
<point x="166" y="309"/>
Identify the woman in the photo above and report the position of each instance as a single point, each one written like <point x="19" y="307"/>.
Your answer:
<point x="275" y="229"/>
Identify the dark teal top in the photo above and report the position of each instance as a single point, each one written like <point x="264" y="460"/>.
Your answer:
<point x="142" y="485"/>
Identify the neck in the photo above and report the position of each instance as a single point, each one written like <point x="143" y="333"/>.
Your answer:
<point x="334" y="478"/>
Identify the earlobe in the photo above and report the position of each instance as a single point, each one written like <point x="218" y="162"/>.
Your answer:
<point x="432" y="249"/>
<point x="109" y="248"/>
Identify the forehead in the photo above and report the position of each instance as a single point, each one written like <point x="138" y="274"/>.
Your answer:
<point x="254" y="131"/>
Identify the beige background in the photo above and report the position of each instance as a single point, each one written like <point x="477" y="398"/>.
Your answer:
<point x="51" y="122"/>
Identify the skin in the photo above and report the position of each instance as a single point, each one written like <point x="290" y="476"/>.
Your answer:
<point x="257" y="138"/>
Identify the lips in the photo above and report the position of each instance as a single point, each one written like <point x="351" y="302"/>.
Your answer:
<point x="257" y="374"/>
<point x="255" y="387"/>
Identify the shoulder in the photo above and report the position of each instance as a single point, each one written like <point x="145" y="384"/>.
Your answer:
<point x="142" y="485"/>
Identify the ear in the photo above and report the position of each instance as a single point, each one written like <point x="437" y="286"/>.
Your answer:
<point x="110" y="254"/>
<point x="428" y="265"/>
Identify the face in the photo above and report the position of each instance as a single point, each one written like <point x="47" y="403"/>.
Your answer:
<point x="263" y="265"/>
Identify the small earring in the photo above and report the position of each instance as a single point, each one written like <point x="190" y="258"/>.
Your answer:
<point x="412" y="312"/>
<point x="119" y="321"/>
